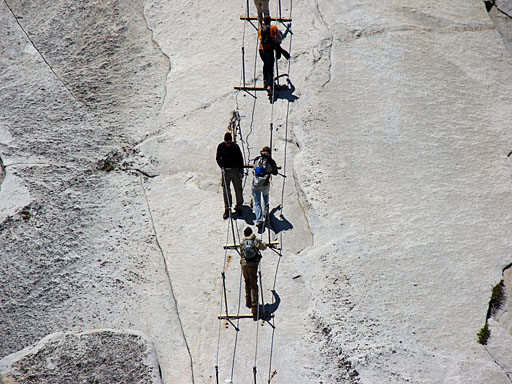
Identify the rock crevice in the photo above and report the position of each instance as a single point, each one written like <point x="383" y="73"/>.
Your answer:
<point x="2" y="172"/>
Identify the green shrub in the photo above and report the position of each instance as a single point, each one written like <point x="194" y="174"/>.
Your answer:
<point x="484" y="334"/>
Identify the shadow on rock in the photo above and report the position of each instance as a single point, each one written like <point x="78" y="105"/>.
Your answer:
<point x="247" y="215"/>
<point x="272" y="308"/>
<point x="286" y="92"/>
<point x="281" y="223"/>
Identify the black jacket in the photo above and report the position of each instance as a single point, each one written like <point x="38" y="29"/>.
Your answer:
<point x="229" y="157"/>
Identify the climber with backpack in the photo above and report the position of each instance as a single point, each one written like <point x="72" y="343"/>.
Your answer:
<point x="263" y="167"/>
<point x="250" y="257"/>
<point x="270" y="41"/>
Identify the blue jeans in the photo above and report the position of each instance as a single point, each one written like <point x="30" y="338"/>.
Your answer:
<point x="256" y="195"/>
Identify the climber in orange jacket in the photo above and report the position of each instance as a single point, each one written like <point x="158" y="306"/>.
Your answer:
<point x="270" y="41"/>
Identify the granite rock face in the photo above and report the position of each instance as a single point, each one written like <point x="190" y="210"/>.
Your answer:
<point x="394" y="215"/>
<point x="501" y="15"/>
<point x="97" y="356"/>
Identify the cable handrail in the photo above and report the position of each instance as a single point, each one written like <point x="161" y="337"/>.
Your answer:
<point x="233" y="229"/>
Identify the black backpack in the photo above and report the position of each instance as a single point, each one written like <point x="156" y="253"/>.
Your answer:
<point x="265" y="35"/>
<point x="251" y="253"/>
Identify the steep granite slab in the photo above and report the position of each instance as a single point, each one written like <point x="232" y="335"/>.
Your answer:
<point x="409" y="198"/>
<point x="77" y="247"/>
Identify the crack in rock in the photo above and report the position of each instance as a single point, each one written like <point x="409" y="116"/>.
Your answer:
<point x="2" y="172"/>
<point x="163" y="54"/>
<point x="329" y="45"/>
<point x="358" y="34"/>
<point x="17" y="18"/>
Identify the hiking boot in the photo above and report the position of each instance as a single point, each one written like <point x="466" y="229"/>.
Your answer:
<point x="226" y="214"/>
<point x="254" y="311"/>
<point x="239" y="212"/>
<point x="259" y="224"/>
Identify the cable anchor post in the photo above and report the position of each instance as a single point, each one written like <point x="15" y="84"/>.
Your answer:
<point x="226" y="301"/>
<point x="262" y="314"/>
<point x="254" y="373"/>
<point x="243" y="66"/>
<point x="271" y="134"/>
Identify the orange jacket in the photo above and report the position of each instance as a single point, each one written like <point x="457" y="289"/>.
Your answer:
<point x="275" y="35"/>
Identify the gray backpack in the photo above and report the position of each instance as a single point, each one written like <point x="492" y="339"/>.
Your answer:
<point x="251" y="253"/>
<point x="262" y="170"/>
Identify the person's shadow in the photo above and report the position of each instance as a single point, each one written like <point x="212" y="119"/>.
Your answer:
<point x="269" y="309"/>
<point x="286" y="92"/>
<point x="281" y="223"/>
<point x="247" y="215"/>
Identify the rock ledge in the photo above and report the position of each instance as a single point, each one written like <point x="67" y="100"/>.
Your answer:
<point x="96" y="356"/>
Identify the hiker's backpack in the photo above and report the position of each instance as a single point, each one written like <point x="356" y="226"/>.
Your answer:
<point x="265" y="35"/>
<point x="261" y="171"/>
<point x="251" y="253"/>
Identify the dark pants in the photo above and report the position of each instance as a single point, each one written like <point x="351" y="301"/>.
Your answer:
<point x="280" y="51"/>
<point x="267" y="56"/>
<point x="251" y="287"/>
<point x="232" y="175"/>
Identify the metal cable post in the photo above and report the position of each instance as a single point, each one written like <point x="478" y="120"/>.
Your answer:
<point x="243" y="65"/>
<point x="271" y="134"/>
<point x="262" y="300"/>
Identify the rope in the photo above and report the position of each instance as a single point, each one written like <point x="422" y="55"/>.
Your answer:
<point x="502" y="11"/>
<point x="244" y="140"/>
<point x="273" y="321"/>
<point x="237" y="324"/>
<point x="232" y="224"/>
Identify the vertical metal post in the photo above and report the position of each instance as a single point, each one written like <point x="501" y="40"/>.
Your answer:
<point x="247" y="8"/>
<point x="271" y="132"/>
<point x="243" y="64"/>
<point x="277" y="67"/>
<point x="280" y="16"/>
<point x="254" y="373"/>
<point x="225" y="295"/>
<point x="261" y="294"/>
<point x="226" y="301"/>
<point x="268" y="223"/>
<point x="217" y="373"/>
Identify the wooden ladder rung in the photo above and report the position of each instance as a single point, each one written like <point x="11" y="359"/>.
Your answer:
<point x="243" y="316"/>
<point x="252" y="166"/>
<point x="281" y="19"/>
<point x="272" y="244"/>
<point x="250" y="88"/>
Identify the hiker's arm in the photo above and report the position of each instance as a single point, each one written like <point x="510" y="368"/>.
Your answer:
<point x="277" y="35"/>
<point x="260" y="245"/>
<point x="218" y="157"/>
<point x="274" y="167"/>
<point x="240" y="160"/>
